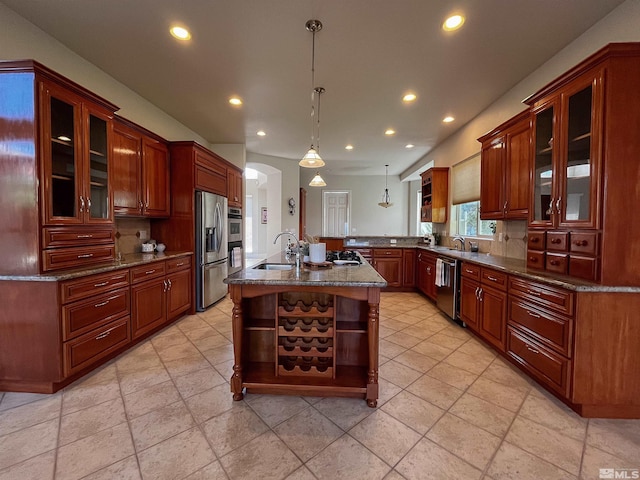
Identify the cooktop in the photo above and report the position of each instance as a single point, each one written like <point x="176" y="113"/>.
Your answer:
<point x="346" y="257"/>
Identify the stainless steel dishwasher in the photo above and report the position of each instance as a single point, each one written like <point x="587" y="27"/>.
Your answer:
<point x="448" y="283"/>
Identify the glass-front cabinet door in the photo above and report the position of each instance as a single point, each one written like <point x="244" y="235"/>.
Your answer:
<point x="62" y="156"/>
<point x="578" y="194"/>
<point x="542" y="211"/>
<point x="97" y="192"/>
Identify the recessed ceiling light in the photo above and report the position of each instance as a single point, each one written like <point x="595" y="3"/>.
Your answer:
<point x="409" y="97"/>
<point x="454" y="22"/>
<point x="409" y="145"/>
<point x="180" y="33"/>
<point x="261" y="133"/>
<point x="349" y="147"/>
<point x="448" y="119"/>
<point x="235" y="101"/>
<point x="389" y="131"/>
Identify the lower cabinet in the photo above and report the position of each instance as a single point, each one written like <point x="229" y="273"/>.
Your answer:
<point x="426" y="274"/>
<point x="148" y="305"/>
<point x="408" y="267"/>
<point x="388" y="263"/>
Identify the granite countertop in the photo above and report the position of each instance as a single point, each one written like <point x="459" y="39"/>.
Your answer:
<point x="363" y="275"/>
<point x="129" y="260"/>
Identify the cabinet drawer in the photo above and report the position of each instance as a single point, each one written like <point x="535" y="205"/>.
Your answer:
<point x="542" y="295"/>
<point x="557" y="241"/>
<point x="175" y="264"/>
<point x="545" y="365"/>
<point x="57" y="259"/>
<point x="494" y="278"/>
<point x="583" y="267"/>
<point x="586" y="243"/>
<point x="210" y="181"/>
<point x="535" y="240"/>
<point x="535" y="259"/>
<point x="72" y="290"/>
<point x="76" y="237"/>
<point x="387" y="252"/>
<point x="87" y="349"/>
<point x="470" y="270"/>
<point x="81" y="317"/>
<point x="552" y="330"/>
<point x="148" y="271"/>
<point x="557" y="262"/>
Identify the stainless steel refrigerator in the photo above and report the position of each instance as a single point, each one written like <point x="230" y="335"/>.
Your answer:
<point x="211" y="249"/>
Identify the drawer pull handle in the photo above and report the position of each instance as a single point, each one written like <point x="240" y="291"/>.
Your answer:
<point x="104" y="335"/>
<point x="535" y="240"/>
<point x="101" y="284"/>
<point x="86" y="255"/>
<point x="581" y="243"/>
<point x="554" y="262"/>
<point x="534" y="315"/>
<point x="533" y="259"/>
<point x="555" y="240"/>
<point x="102" y="304"/>
<point x="493" y="279"/>
<point x="179" y="264"/>
<point x="84" y="236"/>
<point x="532" y="350"/>
<point x="531" y="292"/>
<point x="149" y="272"/>
<point x="468" y="271"/>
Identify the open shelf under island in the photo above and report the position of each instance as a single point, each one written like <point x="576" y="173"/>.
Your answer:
<point x="307" y="331"/>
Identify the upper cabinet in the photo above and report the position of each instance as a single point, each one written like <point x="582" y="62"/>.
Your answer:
<point x="140" y="171"/>
<point x="567" y="155"/>
<point x="585" y="166"/>
<point x="75" y="158"/>
<point x="234" y="187"/>
<point x="504" y="181"/>
<point x="435" y="195"/>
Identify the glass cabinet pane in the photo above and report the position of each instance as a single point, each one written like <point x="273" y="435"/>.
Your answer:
<point x="63" y="159"/>
<point x="543" y="182"/>
<point x="98" y="177"/>
<point x="577" y="179"/>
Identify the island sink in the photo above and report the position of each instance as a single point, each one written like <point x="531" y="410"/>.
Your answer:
<point x="273" y="266"/>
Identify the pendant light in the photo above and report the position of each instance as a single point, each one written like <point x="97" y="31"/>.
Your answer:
<point x="385" y="196"/>
<point x="317" y="181"/>
<point x="312" y="158"/>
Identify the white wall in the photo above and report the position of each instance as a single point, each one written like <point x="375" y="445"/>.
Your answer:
<point x="367" y="218"/>
<point x="21" y="40"/>
<point x="621" y="25"/>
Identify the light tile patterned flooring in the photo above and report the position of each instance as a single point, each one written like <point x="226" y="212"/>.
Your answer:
<point x="449" y="409"/>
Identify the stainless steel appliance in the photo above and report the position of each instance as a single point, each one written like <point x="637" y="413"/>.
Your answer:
<point x="235" y="240"/>
<point x="211" y="249"/>
<point x="448" y="283"/>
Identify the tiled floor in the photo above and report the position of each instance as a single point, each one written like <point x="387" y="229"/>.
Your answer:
<point x="449" y="409"/>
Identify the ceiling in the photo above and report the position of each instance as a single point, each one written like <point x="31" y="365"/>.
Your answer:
<point x="368" y="54"/>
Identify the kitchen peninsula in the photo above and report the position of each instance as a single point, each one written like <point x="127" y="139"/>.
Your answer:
<point x="307" y="331"/>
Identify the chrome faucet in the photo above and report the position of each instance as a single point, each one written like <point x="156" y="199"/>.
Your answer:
<point x="461" y="239"/>
<point x="297" y="242"/>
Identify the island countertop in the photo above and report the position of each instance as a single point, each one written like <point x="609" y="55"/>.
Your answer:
<point x="363" y="275"/>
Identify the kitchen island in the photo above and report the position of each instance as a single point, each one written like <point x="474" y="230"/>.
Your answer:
<point x="308" y="331"/>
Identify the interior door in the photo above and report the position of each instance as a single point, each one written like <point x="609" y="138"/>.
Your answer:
<point x="335" y="213"/>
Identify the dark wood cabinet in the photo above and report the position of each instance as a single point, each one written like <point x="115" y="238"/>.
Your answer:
<point x="388" y="262"/>
<point x="435" y="195"/>
<point x="234" y="187"/>
<point x="504" y="180"/>
<point x="582" y="181"/>
<point x="59" y="177"/>
<point x="141" y="172"/>
<point x="426" y="274"/>
<point x="408" y="267"/>
<point x="148" y="306"/>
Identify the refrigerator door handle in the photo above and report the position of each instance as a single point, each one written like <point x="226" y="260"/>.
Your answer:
<point x="218" y="230"/>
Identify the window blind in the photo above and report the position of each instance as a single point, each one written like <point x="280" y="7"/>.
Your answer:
<point x="465" y="180"/>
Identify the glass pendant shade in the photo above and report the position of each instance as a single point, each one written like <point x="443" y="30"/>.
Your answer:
<point x="317" y="181"/>
<point x="386" y="200"/>
<point x="311" y="159"/>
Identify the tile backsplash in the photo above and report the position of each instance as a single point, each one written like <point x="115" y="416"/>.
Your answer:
<point x="510" y="240"/>
<point x="128" y="232"/>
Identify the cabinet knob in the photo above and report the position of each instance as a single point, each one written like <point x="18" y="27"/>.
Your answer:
<point x="535" y="240"/>
<point x="555" y="241"/>
<point x="554" y="262"/>
<point x="533" y="259"/>
<point x="581" y="243"/>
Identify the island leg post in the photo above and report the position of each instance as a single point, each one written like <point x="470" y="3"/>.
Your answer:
<point x="372" y="334"/>
<point x="236" y="322"/>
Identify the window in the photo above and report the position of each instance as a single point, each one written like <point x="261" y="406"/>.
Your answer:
<point x="422" y="228"/>
<point x="466" y="221"/>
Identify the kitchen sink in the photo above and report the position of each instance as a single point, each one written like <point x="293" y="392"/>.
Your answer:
<point x="273" y="266"/>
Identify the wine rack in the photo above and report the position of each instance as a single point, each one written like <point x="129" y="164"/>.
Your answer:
<point x="306" y="335"/>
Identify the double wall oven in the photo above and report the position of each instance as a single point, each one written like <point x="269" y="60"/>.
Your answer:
<point x="235" y="239"/>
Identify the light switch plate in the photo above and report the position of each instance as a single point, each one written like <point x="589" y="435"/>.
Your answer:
<point x="392" y="241"/>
